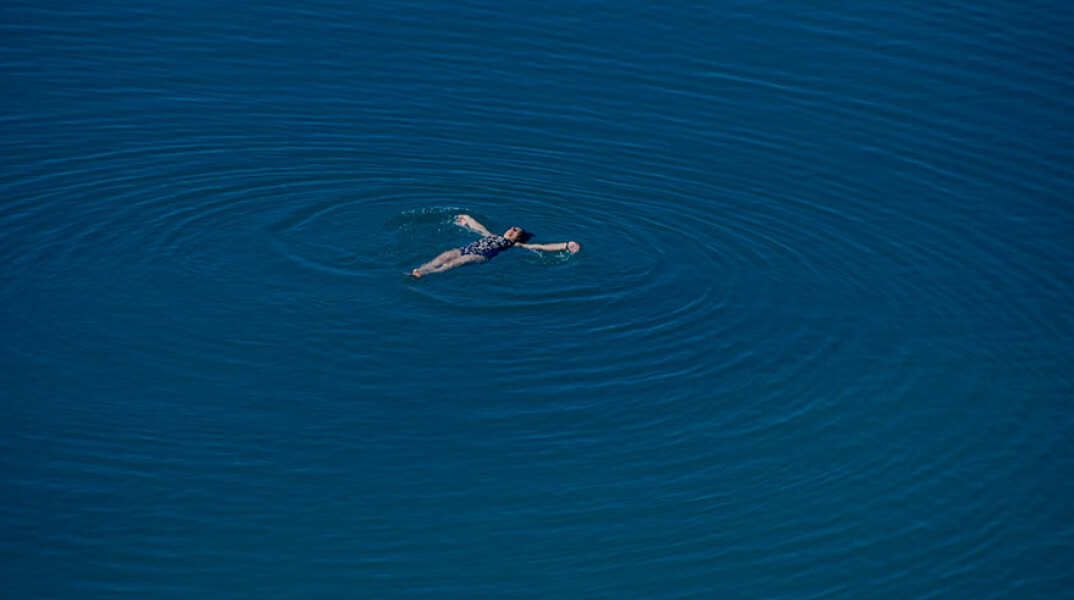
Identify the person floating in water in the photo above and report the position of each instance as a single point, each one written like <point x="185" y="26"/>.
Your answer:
<point x="485" y="248"/>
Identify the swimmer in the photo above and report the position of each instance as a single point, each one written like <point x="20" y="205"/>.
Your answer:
<point x="485" y="248"/>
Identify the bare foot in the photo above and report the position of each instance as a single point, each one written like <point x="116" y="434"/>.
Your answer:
<point x="415" y="274"/>
<point x="574" y="247"/>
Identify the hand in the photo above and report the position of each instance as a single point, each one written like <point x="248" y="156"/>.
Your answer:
<point x="573" y="246"/>
<point x="463" y="220"/>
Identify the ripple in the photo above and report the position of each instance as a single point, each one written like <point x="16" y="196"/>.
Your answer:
<point x="813" y="322"/>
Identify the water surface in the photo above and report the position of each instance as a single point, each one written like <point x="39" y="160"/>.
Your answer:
<point x="817" y="342"/>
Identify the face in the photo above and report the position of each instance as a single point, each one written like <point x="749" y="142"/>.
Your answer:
<point x="514" y="234"/>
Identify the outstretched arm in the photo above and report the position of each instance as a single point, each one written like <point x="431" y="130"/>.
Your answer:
<point x="470" y="223"/>
<point x="572" y="246"/>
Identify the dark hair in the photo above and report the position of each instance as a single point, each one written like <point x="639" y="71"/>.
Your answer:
<point x="525" y="237"/>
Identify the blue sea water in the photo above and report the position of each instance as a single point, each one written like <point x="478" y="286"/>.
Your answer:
<point x="817" y="343"/>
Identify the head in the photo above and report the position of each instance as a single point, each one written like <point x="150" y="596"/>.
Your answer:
<point x="516" y="234"/>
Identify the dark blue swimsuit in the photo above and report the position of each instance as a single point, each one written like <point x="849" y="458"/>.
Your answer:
<point x="488" y="246"/>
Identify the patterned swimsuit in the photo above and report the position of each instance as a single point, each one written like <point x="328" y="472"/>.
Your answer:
<point x="488" y="246"/>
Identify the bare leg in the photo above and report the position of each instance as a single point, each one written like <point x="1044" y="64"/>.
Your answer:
<point x="436" y="262"/>
<point x="446" y="261"/>
<point x="467" y="259"/>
